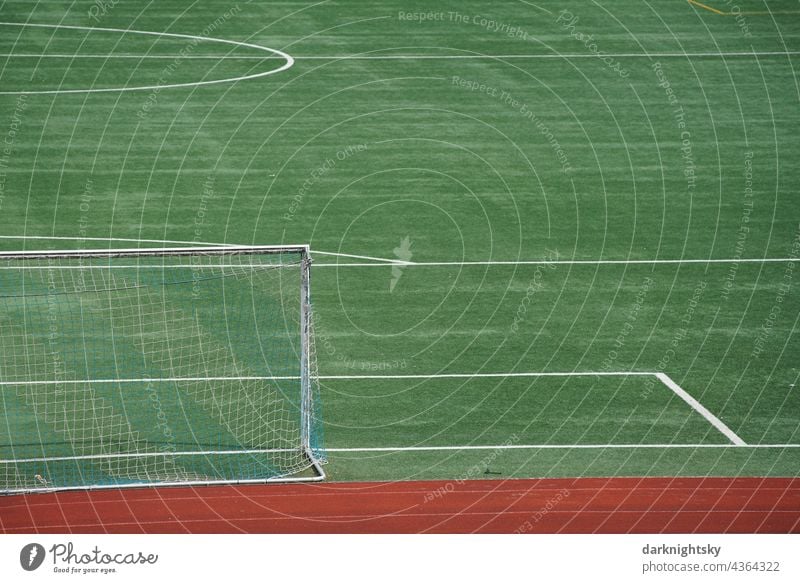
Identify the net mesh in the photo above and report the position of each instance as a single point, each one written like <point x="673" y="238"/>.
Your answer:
<point x="154" y="369"/>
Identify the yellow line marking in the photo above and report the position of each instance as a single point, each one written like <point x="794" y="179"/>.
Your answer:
<point x="714" y="10"/>
<point x="741" y="13"/>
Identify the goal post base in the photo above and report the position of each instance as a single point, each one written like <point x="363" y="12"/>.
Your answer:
<point x="314" y="473"/>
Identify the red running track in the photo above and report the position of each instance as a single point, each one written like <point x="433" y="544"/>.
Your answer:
<point x="583" y="505"/>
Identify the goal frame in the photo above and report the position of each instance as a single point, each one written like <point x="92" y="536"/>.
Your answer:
<point x="306" y="368"/>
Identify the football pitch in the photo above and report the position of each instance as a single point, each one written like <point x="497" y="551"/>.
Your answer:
<point x="549" y="239"/>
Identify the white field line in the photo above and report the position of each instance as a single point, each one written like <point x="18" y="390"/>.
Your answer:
<point x="362" y="57"/>
<point x="155" y="251"/>
<point x="398" y="262"/>
<point x="487" y="375"/>
<point x="145" y="267"/>
<point x="664" y="378"/>
<point x="564" y="447"/>
<point x="495" y="263"/>
<point x="327" y="377"/>
<point x="289" y="61"/>
<point x="147" y="380"/>
<point x="697" y="406"/>
<point x="390" y="262"/>
<point x="551" y="56"/>
<point x="143" y="454"/>
<point x="127" y="56"/>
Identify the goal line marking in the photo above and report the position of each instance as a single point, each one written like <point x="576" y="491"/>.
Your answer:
<point x="412" y="448"/>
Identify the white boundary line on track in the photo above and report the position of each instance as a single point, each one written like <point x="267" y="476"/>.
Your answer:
<point x="697" y="406"/>
<point x="274" y="52"/>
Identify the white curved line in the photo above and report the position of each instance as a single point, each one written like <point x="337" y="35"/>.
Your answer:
<point x="287" y="57"/>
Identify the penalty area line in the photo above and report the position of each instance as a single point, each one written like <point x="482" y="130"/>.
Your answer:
<point x="697" y="406"/>
<point x="321" y="377"/>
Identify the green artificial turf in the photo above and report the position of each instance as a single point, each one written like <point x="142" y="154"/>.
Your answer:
<point x="521" y="145"/>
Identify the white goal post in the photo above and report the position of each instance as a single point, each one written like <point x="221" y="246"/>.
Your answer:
<point x="147" y="367"/>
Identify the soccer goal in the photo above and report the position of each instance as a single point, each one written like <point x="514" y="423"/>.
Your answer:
<point x="157" y="367"/>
